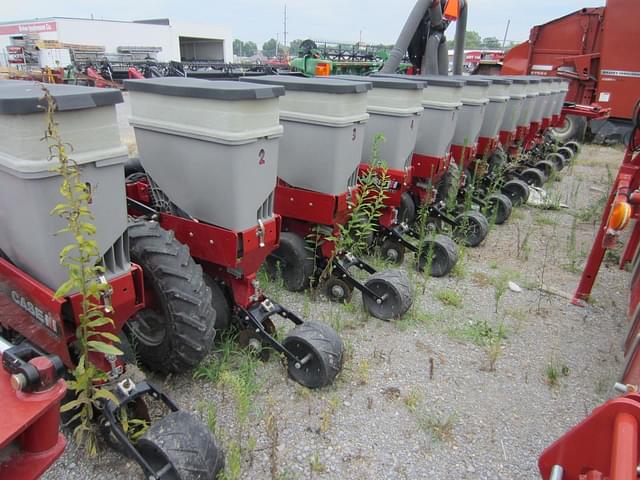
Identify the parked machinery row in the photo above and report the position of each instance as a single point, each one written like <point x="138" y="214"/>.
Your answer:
<point x="267" y="170"/>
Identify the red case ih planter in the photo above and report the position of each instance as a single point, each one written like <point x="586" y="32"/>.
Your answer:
<point x="170" y="316"/>
<point x="222" y="207"/>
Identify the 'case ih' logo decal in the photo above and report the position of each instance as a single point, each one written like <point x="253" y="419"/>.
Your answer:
<point x="41" y="316"/>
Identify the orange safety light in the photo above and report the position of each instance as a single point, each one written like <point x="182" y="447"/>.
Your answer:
<point x="620" y="216"/>
<point x="452" y="10"/>
<point x="323" y="70"/>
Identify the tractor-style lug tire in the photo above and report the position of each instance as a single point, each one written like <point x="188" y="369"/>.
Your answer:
<point x="186" y="443"/>
<point x="324" y="352"/>
<point x="396" y="286"/>
<point x="177" y="331"/>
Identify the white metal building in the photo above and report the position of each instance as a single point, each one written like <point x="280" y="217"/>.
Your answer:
<point x="178" y="41"/>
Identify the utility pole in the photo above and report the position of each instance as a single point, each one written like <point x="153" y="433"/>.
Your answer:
<point x="506" y="32"/>
<point x="285" y="25"/>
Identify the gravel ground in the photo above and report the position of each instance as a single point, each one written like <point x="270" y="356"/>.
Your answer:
<point x="418" y="398"/>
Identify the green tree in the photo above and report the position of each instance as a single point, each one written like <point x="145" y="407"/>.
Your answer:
<point x="269" y="48"/>
<point x="491" y="43"/>
<point x="249" y="49"/>
<point x="472" y="40"/>
<point x="238" y="47"/>
<point x="294" y="46"/>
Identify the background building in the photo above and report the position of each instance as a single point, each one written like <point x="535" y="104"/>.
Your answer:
<point x="163" y="39"/>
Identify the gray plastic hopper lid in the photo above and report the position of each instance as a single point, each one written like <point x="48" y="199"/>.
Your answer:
<point x="497" y="80"/>
<point x="474" y="81"/>
<point x="519" y="79"/>
<point x="26" y="97"/>
<point x="304" y="84"/>
<point x="383" y="82"/>
<point x="208" y="89"/>
<point x="435" y="80"/>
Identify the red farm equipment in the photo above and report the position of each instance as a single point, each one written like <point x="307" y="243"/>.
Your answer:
<point x="605" y="444"/>
<point x="31" y="388"/>
<point x="152" y="291"/>
<point x="214" y="188"/>
<point x="593" y="48"/>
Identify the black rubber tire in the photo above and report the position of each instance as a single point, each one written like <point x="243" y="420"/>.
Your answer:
<point x="500" y="206"/>
<point x="471" y="228"/>
<point x="517" y="191"/>
<point x="342" y="295"/>
<point x="326" y="349"/>
<point x="394" y="283"/>
<point x="444" y="255"/>
<point x="574" y="146"/>
<point x="220" y="303"/>
<point x="448" y="183"/>
<point x="183" y="440"/>
<point x="534" y="177"/>
<point x="392" y="251"/>
<point x="547" y="167"/>
<point x="497" y="161"/>
<point x="566" y="153"/>
<point x="181" y="296"/>
<point x="574" y="129"/>
<point x="407" y="211"/>
<point x="299" y="262"/>
<point x="556" y="159"/>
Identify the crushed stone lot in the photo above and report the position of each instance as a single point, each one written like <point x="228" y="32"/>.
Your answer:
<point x="473" y="383"/>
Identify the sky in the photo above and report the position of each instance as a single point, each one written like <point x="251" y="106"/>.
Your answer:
<point x="375" y="21"/>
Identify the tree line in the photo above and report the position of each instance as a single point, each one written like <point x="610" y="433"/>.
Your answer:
<point x="272" y="47"/>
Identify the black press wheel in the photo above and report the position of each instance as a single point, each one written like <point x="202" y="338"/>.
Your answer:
<point x="566" y="153"/>
<point x="392" y="251"/>
<point x="517" y="191"/>
<point x="219" y="302"/>
<point x="557" y="160"/>
<point x="292" y="261"/>
<point x="394" y="289"/>
<point x="471" y="228"/>
<point x="320" y="351"/>
<point x="547" y="167"/>
<point x="439" y="254"/>
<point x="186" y="444"/>
<point x="533" y="177"/>
<point x="573" y="146"/>
<point x="407" y="210"/>
<point x="337" y="290"/>
<point x="177" y="329"/>
<point x="499" y="208"/>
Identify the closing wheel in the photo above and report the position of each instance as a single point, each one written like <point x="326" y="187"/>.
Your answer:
<point x="337" y="290"/>
<point x="517" y="191"/>
<point x="566" y="153"/>
<point x="321" y="354"/>
<point x="471" y="228"/>
<point x="533" y="176"/>
<point x="407" y="210"/>
<point x="499" y="208"/>
<point x="394" y="289"/>
<point x="573" y="146"/>
<point x="547" y="167"/>
<point x="177" y="329"/>
<point x="392" y="251"/>
<point x="439" y="254"/>
<point x="556" y="159"/>
<point x="291" y="261"/>
<point x="181" y="440"/>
